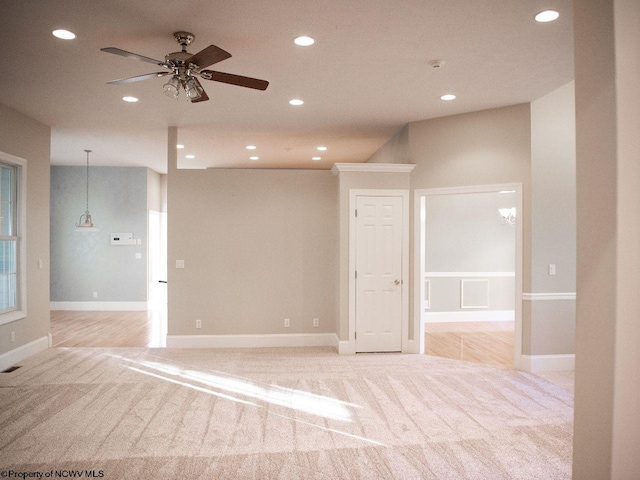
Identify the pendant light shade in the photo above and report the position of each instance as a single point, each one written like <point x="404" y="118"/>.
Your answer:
<point x="85" y="224"/>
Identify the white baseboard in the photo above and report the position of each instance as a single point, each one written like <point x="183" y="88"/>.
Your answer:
<point x="18" y="354"/>
<point x="253" y="341"/>
<point x="548" y="363"/>
<point x="345" y="347"/>
<point x="101" y="306"/>
<point x="477" y="316"/>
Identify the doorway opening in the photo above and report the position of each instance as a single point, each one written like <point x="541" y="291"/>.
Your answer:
<point x="468" y="270"/>
<point x="157" y="278"/>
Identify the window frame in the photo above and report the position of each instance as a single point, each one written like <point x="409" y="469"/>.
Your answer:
<point x="20" y="168"/>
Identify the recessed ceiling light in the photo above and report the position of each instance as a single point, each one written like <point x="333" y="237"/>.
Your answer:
<point x="296" y="101"/>
<point x="322" y="149"/>
<point x="254" y="158"/>
<point x="130" y="99"/>
<point x="316" y="158"/>
<point x="304" y="41"/>
<point x="190" y="156"/>
<point x="251" y="147"/>
<point x="447" y="97"/>
<point x="179" y="146"/>
<point x="547" y="16"/>
<point x="64" y="34"/>
<point x="507" y="191"/>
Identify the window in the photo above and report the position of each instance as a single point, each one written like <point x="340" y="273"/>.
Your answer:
<point x="12" y="211"/>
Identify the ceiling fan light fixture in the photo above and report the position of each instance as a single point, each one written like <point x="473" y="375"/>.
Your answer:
<point x="172" y="88"/>
<point x="185" y="68"/>
<point x="193" y="90"/>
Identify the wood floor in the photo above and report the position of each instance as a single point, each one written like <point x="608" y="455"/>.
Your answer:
<point x="109" y="329"/>
<point x="490" y="343"/>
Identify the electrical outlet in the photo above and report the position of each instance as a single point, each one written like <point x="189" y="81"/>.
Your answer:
<point x="287" y="323"/>
<point x="552" y="269"/>
<point x="13" y="336"/>
<point x="316" y="322"/>
<point x="198" y="323"/>
<point x="95" y="294"/>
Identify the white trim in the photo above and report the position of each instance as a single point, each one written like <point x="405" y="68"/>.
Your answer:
<point x="18" y="354"/>
<point x="418" y="270"/>
<point x="345" y="347"/>
<point x="254" y="341"/>
<point x="529" y="297"/>
<point x="404" y="194"/>
<point x="372" y="167"/>
<point x="548" y="363"/>
<point x="478" y="316"/>
<point x="468" y="274"/>
<point x="21" y="212"/>
<point x="101" y="306"/>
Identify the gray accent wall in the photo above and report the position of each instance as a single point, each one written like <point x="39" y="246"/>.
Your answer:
<point x="86" y="262"/>
<point x="30" y="140"/>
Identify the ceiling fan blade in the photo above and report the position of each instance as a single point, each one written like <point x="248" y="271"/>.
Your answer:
<point x="138" y="78"/>
<point x="208" y="56"/>
<point x="203" y="98"/>
<point x="235" y="79"/>
<point x="123" y="53"/>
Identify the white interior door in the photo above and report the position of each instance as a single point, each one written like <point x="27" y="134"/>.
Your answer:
<point x="379" y="274"/>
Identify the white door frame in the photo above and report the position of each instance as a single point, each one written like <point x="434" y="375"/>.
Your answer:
<point x="404" y="267"/>
<point x="418" y="256"/>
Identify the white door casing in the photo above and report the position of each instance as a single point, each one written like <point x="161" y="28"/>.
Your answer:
<point x="419" y="255"/>
<point x="378" y="273"/>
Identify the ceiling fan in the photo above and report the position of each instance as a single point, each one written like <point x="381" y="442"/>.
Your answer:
<point x="185" y="67"/>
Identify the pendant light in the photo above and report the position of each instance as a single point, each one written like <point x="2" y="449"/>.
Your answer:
<point x="85" y="224"/>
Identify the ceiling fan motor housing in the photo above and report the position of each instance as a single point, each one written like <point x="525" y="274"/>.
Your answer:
<point x="184" y="38"/>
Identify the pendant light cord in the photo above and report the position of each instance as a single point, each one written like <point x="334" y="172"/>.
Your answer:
<point x="88" y="151"/>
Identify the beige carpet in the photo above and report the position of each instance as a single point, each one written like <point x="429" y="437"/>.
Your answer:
<point x="281" y="414"/>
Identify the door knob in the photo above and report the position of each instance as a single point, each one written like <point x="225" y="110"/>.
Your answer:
<point x="397" y="282"/>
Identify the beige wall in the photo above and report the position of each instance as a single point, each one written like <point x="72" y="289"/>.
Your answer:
<point x="480" y="148"/>
<point x="395" y="150"/>
<point x="607" y="82"/>
<point x="258" y="246"/>
<point x="25" y="138"/>
<point x="154" y="191"/>
<point x="551" y="323"/>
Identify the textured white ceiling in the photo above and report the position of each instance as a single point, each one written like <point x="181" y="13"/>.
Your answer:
<point x="366" y="76"/>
